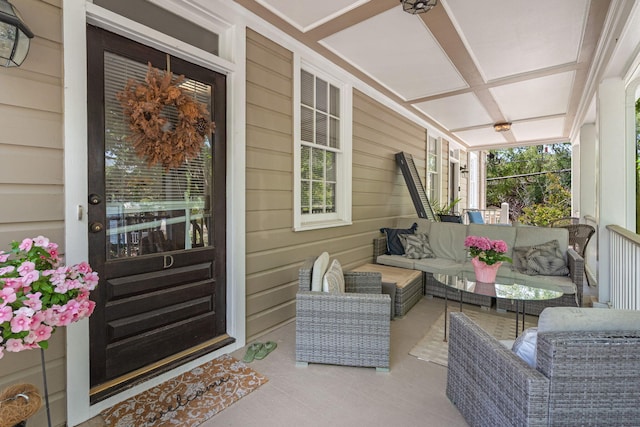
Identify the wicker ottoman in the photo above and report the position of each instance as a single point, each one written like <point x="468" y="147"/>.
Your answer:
<point x="408" y="284"/>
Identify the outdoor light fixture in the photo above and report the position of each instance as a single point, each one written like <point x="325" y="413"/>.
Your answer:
<point x="464" y="169"/>
<point x="502" y="127"/>
<point x="418" y="6"/>
<point x="14" y="36"/>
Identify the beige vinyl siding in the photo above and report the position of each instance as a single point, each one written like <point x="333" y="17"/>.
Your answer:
<point x="31" y="178"/>
<point x="379" y="195"/>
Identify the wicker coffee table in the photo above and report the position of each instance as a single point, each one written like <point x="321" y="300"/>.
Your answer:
<point x="503" y="288"/>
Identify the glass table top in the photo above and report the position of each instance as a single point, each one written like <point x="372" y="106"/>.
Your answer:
<point x="504" y="287"/>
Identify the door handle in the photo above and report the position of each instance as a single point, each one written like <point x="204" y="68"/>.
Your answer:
<point x="96" y="227"/>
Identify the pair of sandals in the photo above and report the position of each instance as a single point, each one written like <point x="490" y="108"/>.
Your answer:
<point x="259" y="351"/>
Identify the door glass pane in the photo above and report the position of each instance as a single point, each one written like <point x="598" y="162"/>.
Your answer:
<point x="151" y="209"/>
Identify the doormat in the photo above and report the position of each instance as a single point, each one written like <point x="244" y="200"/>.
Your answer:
<point x="189" y="399"/>
<point x="433" y="348"/>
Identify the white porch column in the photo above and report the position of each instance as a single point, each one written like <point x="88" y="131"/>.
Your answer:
<point x="615" y="175"/>
<point x="584" y="195"/>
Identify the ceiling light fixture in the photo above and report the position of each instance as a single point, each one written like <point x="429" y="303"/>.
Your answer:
<point x="418" y="6"/>
<point x="14" y="36"/>
<point x="502" y="127"/>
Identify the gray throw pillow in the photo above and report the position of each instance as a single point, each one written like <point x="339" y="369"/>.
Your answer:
<point x="394" y="246"/>
<point x="544" y="259"/>
<point x="416" y="246"/>
<point x="525" y="346"/>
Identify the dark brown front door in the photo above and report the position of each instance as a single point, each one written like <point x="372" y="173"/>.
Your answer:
<point x="156" y="235"/>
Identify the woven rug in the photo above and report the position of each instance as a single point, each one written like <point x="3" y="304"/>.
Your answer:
<point x="189" y="399"/>
<point x="432" y="347"/>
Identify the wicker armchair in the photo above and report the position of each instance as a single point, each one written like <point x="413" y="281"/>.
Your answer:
<point x="585" y="377"/>
<point x="350" y="329"/>
<point x="579" y="235"/>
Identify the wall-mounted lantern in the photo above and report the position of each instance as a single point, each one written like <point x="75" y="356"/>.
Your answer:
<point x="14" y="36"/>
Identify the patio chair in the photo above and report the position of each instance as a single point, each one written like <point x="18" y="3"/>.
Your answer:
<point x="568" y="220"/>
<point x="350" y="328"/>
<point x="579" y="235"/>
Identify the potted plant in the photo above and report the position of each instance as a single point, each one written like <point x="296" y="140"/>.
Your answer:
<point x="447" y="213"/>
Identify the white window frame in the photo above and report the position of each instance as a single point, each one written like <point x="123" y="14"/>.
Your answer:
<point x="342" y="215"/>
<point x="438" y="171"/>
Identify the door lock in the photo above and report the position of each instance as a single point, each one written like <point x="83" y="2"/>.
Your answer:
<point x="96" y="227"/>
<point x="94" y="199"/>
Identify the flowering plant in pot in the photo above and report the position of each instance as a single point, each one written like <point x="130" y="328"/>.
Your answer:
<point x="38" y="293"/>
<point x="487" y="256"/>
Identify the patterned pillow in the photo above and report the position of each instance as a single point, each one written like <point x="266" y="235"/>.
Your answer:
<point x="416" y="246"/>
<point x="394" y="246"/>
<point x="544" y="260"/>
<point x="333" y="280"/>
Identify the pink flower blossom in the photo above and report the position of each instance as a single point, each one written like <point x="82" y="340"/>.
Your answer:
<point x="6" y="314"/>
<point x="7" y="269"/>
<point x="4" y="256"/>
<point x="14" y="283"/>
<point x="21" y="320"/>
<point x="26" y="245"/>
<point x="41" y="241"/>
<point x="83" y="268"/>
<point x="33" y="301"/>
<point x="30" y="277"/>
<point x="14" y="345"/>
<point x="8" y="295"/>
<point x="41" y="333"/>
<point x="26" y="267"/>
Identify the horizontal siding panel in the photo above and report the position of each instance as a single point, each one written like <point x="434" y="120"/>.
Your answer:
<point x="262" y="98"/>
<point x="269" y="319"/>
<point x="276" y="83"/>
<point x="370" y="186"/>
<point x="44" y="19"/>
<point x="270" y="120"/>
<point x="41" y="204"/>
<point x="257" y="40"/>
<point x="259" y="261"/>
<point x="277" y="141"/>
<point x="265" y="55"/>
<point x="47" y="58"/>
<point x="264" y="160"/>
<point x="9" y="232"/>
<point x="30" y="128"/>
<point x="31" y="165"/>
<point x="268" y="200"/>
<point x="268" y="180"/>
<point x="269" y="220"/>
<point x="273" y="297"/>
<point x="19" y="91"/>
<point x="265" y="280"/>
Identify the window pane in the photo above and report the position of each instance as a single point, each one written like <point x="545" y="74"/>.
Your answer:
<point x="334" y="133"/>
<point x="334" y="101"/>
<point x="317" y="161"/>
<point x="431" y="163"/>
<point x="330" y="198"/>
<point x="306" y="88"/>
<point x="305" y="162"/>
<point x="305" y="198"/>
<point x="321" y="95"/>
<point x="318" y="197"/>
<point x="331" y="167"/>
<point x="321" y="128"/>
<point x="306" y="124"/>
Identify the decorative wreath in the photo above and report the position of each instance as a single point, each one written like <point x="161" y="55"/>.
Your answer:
<point x="153" y="135"/>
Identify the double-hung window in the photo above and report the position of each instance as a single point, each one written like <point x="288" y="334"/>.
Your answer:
<point x="322" y="150"/>
<point x="432" y="186"/>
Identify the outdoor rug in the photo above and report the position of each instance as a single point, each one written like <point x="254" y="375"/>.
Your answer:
<point x="189" y="399"/>
<point x="432" y="348"/>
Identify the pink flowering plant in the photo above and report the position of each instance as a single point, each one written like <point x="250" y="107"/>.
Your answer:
<point x="38" y="294"/>
<point x="487" y="250"/>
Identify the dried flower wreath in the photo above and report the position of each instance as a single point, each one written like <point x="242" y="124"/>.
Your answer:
<point x="152" y="134"/>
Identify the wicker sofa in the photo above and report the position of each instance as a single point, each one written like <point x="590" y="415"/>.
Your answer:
<point x="447" y="243"/>
<point x="587" y="371"/>
<point x="352" y="328"/>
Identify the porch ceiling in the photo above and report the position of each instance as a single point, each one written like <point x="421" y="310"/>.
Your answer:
<point x="464" y="65"/>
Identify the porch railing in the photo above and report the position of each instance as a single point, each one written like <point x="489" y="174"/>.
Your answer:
<point x="624" y="268"/>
